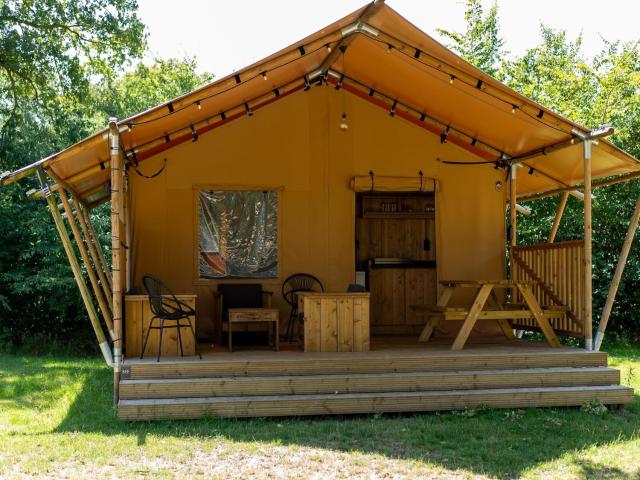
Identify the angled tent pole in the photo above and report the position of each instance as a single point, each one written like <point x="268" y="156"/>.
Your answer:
<point x="95" y="256"/>
<point x="93" y="278"/>
<point x="98" y="246"/>
<point x="75" y="266"/>
<point x="558" y="218"/>
<point x="617" y="276"/>
<point x="116" y="248"/>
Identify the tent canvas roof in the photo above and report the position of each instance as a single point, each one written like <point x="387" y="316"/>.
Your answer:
<point x="386" y="60"/>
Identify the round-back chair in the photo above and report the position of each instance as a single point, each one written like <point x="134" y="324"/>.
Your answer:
<point x="294" y="284"/>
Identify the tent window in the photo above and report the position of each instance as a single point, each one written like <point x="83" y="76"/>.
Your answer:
<point x="238" y="234"/>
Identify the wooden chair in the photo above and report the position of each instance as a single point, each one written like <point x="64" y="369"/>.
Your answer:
<point x="238" y="295"/>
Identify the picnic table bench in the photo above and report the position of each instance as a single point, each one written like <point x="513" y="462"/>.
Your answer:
<point x="481" y="310"/>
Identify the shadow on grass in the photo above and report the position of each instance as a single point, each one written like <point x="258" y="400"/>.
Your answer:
<point x="494" y="442"/>
<point x="500" y="443"/>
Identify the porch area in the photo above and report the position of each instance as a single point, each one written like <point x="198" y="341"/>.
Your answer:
<point x="396" y="375"/>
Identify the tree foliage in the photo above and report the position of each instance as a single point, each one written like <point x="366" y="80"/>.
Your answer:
<point x="54" y="47"/>
<point x="481" y="43"/>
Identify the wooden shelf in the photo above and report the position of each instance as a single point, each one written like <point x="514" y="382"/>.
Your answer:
<point x="398" y="206"/>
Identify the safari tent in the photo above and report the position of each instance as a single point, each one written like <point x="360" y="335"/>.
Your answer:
<point x="387" y="169"/>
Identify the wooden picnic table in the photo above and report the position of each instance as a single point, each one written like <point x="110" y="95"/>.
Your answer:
<point x="480" y="310"/>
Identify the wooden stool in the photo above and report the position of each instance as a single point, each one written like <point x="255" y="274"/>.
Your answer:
<point x="255" y="315"/>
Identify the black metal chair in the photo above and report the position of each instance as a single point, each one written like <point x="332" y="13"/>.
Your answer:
<point x="296" y="283"/>
<point x="166" y="308"/>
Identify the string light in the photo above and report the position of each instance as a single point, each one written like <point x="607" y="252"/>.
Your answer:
<point x="392" y="110"/>
<point x="513" y="108"/>
<point x="343" y="124"/>
<point x="199" y="105"/>
<point x="328" y="48"/>
<point x="129" y="127"/>
<point x="264" y="75"/>
<point x="444" y="135"/>
<point x="451" y="79"/>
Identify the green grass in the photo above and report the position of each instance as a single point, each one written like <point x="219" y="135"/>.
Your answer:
<point x="57" y="420"/>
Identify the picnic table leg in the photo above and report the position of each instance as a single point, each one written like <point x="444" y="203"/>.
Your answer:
<point x="472" y="316"/>
<point x="536" y="310"/>
<point x="433" y="320"/>
<point x="506" y="327"/>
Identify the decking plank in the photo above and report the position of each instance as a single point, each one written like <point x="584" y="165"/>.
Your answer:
<point x="366" y="382"/>
<point x="370" y="402"/>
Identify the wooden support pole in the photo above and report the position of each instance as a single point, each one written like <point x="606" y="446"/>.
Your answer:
<point x="556" y="221"/>
<point x="116" y="253"/>
<point x="98" y="246"/>
<point x="617" y="276"/>
<point x="512" y="223"/>
<point x="588" y="261"/>
<point x="75" y="268"/>
<point x="93" y="279"/>
<point x="126" y="217"/>
<point x="95" y="257"/>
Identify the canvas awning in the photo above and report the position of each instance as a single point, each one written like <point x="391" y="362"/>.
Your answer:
<point x="378" y="55"/>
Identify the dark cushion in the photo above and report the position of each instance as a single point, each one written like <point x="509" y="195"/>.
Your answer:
<point x="245" y="295"/>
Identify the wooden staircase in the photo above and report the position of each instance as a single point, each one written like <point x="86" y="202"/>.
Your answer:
<point x="291" y="383"/>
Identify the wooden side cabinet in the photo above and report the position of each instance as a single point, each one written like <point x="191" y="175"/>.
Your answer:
<point x="136" y="321"/>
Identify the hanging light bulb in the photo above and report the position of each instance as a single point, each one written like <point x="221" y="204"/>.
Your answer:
<point x="343" y="124"/>
<point x="328" y="48"/>
<point x="264" y="75"/>
<point x="198" y="105"/>
<point x="451" y="79"/>
<point x="513" y="108"/>
<point x="129" y="127"/>
<point x="389" y="47"/>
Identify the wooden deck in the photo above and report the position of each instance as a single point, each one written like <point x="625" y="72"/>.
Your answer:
<point x="400" y="376"/>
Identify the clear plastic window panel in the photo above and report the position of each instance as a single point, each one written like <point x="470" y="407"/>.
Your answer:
<point x="238" y="234"/>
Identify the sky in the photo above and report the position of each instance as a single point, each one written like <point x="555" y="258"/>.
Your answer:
<point x="225" y="36"/>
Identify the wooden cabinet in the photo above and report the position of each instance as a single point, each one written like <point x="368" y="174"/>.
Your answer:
<point x="393" y="291"/>
<point x="136" y="320"/>
<point x="335" y="322"/>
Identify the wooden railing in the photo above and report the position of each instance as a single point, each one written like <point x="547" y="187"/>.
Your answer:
<point x="556" y="274"/>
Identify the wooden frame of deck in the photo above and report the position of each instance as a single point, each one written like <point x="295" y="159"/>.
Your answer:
<point x="391" y="378"/>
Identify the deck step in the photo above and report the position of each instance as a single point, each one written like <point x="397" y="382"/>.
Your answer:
<point x="294" y="363"/>
<point x="230" y="386"/>
<point x="353" y="403"/>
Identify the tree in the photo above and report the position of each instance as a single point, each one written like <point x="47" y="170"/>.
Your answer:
<point x="148" y="86"/>
<point x="54" y="47"/>
<point x="480" y="44"/>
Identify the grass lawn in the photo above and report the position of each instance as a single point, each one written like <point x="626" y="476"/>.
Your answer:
<point x="57" y="420"/>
